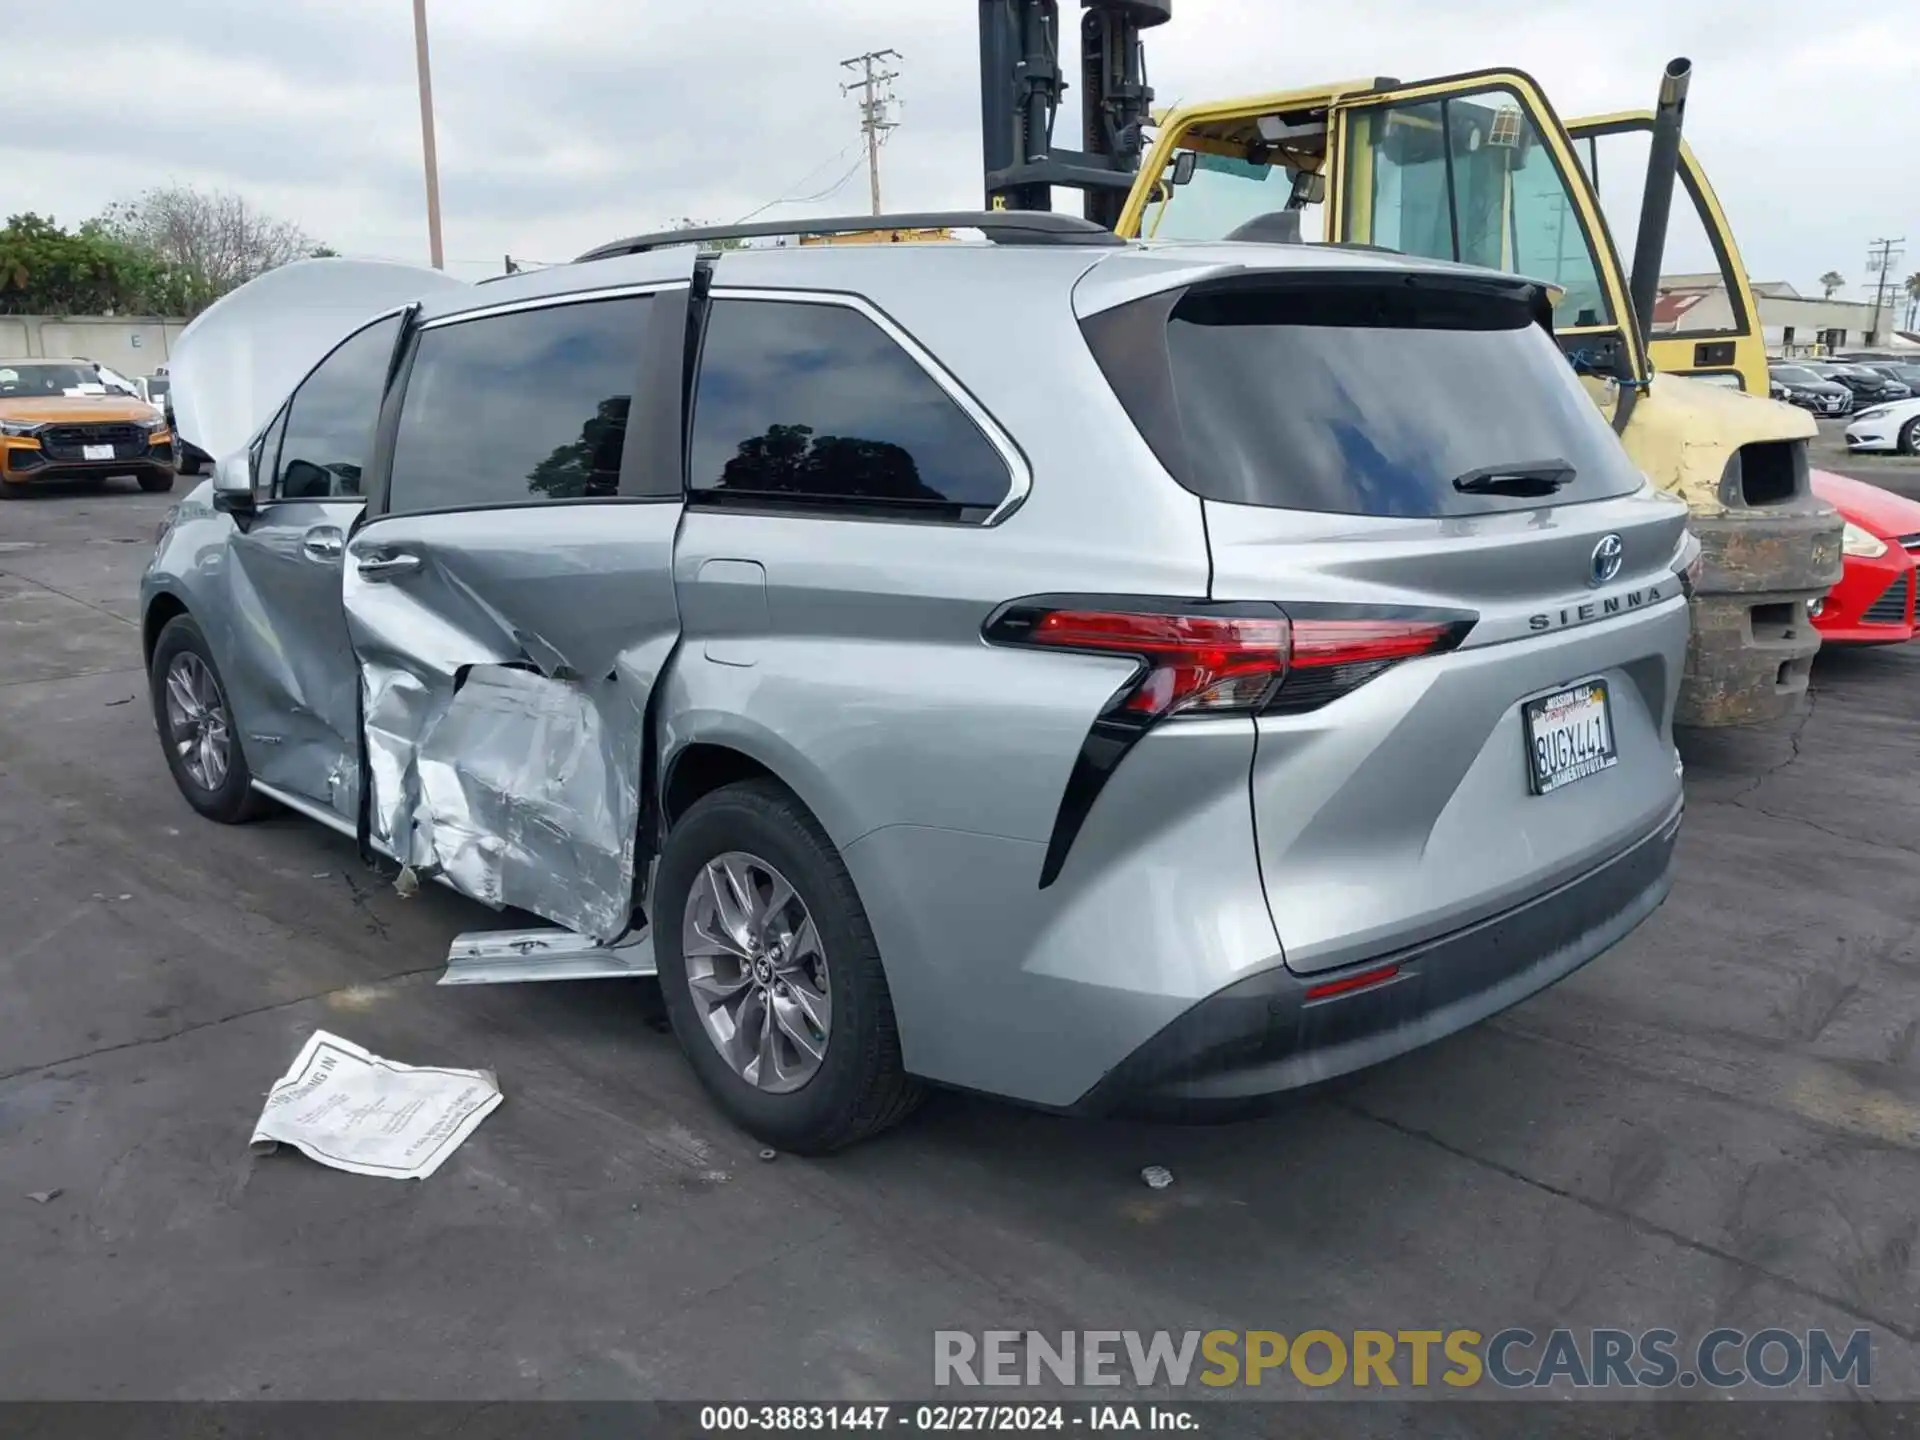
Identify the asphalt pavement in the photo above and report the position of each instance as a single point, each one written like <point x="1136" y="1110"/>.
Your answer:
<point x="1713" y="1125"/>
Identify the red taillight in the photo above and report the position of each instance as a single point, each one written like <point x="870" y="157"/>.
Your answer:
<point x="1200" y="657"/>
<point x="1347" y="984"/>
<point x="1194" y="662"/>
<point x="1350" y="642"/>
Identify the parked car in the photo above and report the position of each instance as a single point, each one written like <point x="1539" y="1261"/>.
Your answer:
<point x="1801" y="385"/>
<point x="1894" y="426"/>
<point x="1900" y="371"/>
<point x="1092" y="730"/>
<point x="189" y="459"/>
<point x="1869" y="387"/>
<point x="61" y="421"/>
<point x="1880" y="549"/>
<point x="153" y="389"/>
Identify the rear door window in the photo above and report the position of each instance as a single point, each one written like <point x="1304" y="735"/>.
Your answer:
<point x="1352" y="396"/>
<point x="521" y="408"/>
<point x="814" y="406"/>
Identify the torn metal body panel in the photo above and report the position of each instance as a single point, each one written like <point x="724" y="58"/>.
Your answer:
<point x="505" y="734"/>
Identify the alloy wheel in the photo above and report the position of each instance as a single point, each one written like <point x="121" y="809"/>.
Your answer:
<point x="197" y="727"/>
<point x="757" y="972"/>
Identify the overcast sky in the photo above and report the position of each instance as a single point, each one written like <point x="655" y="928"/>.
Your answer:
<point x="564" y="123"/>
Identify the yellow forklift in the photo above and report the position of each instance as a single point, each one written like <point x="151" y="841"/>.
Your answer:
<point x="1476" y="168"/>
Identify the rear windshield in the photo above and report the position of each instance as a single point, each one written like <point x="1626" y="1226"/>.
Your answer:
<point x="1794" y="375"/>
<point x="1366" y="398"/>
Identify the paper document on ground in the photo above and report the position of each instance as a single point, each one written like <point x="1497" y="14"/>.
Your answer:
<point x="352" y="1110"/>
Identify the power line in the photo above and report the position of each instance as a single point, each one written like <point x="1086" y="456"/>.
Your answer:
<point x="807" y="199"/>
<point x="875" y="97"/>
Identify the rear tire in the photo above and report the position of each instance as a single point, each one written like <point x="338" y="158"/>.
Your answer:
<point x="857" y="1086"/>
<point x="1910" y="437"/>
<point x="157" y="483"/>
<point x="197" y="733"/>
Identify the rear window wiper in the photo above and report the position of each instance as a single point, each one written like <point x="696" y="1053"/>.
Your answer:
<point x="1526" y="481"/>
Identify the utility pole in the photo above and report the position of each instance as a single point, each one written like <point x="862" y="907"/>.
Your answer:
<point x="874" y="100"/>
<point x="1881" y="258"/>
<point x="426" y="134"/>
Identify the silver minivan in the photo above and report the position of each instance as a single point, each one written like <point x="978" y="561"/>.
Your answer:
<point x="1106" y="675"/>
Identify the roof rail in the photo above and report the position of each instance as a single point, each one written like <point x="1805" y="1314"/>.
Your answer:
<point x="1003" y="227"/>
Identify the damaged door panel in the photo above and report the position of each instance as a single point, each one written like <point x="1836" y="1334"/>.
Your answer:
<point x="293" y="673"/>
<point x="510" y="603"/>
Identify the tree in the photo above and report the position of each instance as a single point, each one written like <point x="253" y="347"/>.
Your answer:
<point x="1831" y="281"/>
<point x="1912" y="287"/>
<point x="687" y="222"/>
<point x="46" y="269"/>
<point x="212" y="241"/>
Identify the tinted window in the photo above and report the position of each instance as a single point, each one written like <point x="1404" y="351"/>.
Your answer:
<point x="519" y="408"/>
<point x="1794" y="375"/>
<point x="1364" y="400"/>
<point x="329" y="429"/>
<point x="816" y="405"/>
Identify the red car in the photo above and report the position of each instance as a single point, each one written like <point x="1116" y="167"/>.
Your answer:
<point x="1874" y="602"/>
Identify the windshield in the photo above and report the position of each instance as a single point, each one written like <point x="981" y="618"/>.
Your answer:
<point x="38" y="380"/>
<point x="1794" y="375"/>
<point x="1222" y="196"/>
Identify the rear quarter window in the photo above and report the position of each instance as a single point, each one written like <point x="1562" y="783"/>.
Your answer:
<point x="1358" y="395"/>
<point x="813" y="406"/>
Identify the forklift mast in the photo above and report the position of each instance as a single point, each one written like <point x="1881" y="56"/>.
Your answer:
<point x="1021" y="85"/>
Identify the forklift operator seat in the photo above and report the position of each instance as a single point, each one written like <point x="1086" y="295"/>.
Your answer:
<point x="1276" y="227"/>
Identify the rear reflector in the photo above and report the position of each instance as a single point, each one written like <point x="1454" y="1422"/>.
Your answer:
<point x="1347" y="984"/>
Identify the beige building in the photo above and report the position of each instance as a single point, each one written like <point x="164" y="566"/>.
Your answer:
<point x="1791" y="323"/>
<point x="132" y="345"/>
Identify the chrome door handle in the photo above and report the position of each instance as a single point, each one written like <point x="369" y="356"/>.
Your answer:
<point x="324" y="543"/>
<point x="389" y="566"/>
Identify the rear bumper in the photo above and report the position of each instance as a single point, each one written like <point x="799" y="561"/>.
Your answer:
<point x="1263" y="1036"/>
<point x="1753" y="643"/>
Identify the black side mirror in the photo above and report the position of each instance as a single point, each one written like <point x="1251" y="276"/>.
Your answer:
<point x="1183" y="166"/>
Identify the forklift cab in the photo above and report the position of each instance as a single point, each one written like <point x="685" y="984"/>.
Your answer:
<point x="1475" y="168"/>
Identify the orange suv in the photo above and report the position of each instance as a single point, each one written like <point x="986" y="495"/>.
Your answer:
<point x="61" y="420"/>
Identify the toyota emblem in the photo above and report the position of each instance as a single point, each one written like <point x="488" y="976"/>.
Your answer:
<point x="1607" y="556"/>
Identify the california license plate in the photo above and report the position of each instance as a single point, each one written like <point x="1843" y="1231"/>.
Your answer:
<point x="96" y="452"/>
<point x="1569" y="736"/>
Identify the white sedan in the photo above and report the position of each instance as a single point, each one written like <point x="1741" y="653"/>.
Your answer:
<point x="1895" y="426"/>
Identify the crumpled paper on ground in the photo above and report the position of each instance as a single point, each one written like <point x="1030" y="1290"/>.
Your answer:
<point x="348" y="1108"/>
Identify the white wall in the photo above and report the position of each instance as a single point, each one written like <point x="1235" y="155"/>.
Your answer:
<point x="133" y="345"/>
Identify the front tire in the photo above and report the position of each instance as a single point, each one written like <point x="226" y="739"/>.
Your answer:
<point x="197" y="733"/>
<point x="10" y="491"/>
<point x="157" y="482"/>
<point x="771" y="976"/>
<point x="1910" y="437"/>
